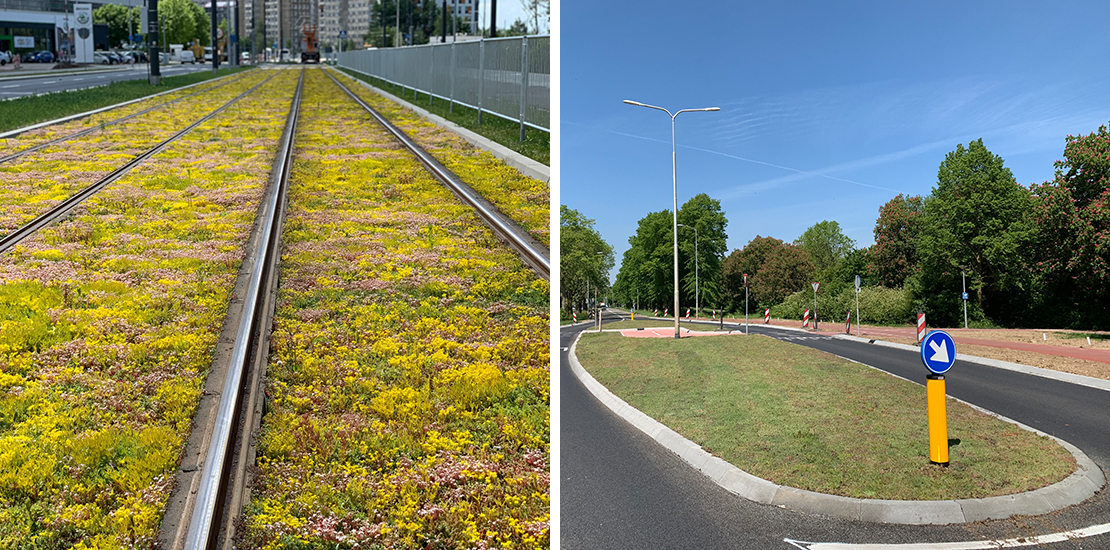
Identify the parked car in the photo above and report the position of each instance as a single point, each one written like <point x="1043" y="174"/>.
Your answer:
<point x="5" y="58"/>
<point x="187" y="56"/>
<point x="115" y="58"/>
<point x="44" y="56"/>
<point x="245" y="58"/>
<point x="100" y="59"/>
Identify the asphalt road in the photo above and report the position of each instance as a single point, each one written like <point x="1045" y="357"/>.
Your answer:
<point x="19" y="87"/>
<point x="619" y="489"/>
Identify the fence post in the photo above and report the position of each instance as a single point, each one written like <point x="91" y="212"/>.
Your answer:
<point x="432" y="73"/>
<point x="524" y="84"/>
<point x="481" y="74"/>
<point x="453" y="58"/>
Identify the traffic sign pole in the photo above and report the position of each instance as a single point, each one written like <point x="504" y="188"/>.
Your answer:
<point x="938" y="420"/>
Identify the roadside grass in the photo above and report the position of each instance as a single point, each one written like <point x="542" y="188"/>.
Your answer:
<point x="807" y="419"/>
<point x="653" y="323"/>
<point x="26" y="111"/>
<point x="536" y="144"/>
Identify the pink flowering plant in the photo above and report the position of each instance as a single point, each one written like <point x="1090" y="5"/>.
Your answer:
<point x="408" y="377"/>
<point x="108" y="325"/>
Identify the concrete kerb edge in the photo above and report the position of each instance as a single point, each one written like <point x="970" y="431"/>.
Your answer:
<point x="17" y="131"/>
<point x="1088" y="381"/>
<point x="521" y="163"/>
<point x="1079" y="486"/>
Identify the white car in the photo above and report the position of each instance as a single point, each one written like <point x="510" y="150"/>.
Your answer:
<point x="5" y="58"/>
<point x="187" y="56"/>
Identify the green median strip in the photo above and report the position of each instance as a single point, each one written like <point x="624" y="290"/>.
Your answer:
<point x="807" y="419"/>
<point x="25" y="111"/>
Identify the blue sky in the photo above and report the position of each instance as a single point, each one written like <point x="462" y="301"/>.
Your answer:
<point x="828" y="109"/>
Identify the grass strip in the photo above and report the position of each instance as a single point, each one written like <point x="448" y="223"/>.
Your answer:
<point x="29" y="110"/>
<point x="108" y="323"/>
<point x="536" y="144"/>
<point x="408" y="374"/>
<point x="807" y="419"/>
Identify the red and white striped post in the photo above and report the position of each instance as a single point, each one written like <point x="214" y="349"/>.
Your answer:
<point x="767" y="316"/>
<point x="920" y="326"/>
<point x="805" y="319"/>
<point x="575" y="315"/>
<point x="848" y="323"/>
<point x="666" y="311"/>
<point x="687" y="313"/>
<point x="714" y="315"/>
<point x="656" y="314"/>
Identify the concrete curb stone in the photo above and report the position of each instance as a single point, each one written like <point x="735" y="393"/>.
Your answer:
<point x="1079" y="486"/>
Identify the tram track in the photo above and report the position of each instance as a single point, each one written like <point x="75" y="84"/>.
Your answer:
<point x="213" y="495"/>
<point x="103" y="125"/>
<point x="66" y="206"/>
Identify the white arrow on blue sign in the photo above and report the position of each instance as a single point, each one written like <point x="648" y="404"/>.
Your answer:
<point x="938" y="352"/>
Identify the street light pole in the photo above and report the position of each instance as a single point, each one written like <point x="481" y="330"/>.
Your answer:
<point x="963" y="278"/>
<point x="674" y="183"/>
<point x="697" y="287"/>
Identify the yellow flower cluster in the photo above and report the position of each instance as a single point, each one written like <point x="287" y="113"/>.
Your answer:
<point x="108" y="324"/>
<point x="408" y="376"/>
<point x="525" y="200"/>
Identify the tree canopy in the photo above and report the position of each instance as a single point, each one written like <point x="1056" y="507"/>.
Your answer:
<point x="115" y="17"/>
<point x="584" y="258"/>
<point x="826" y="246"/>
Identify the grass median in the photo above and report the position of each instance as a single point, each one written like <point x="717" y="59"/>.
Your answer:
<point x="29" y="110"/>
<point x="807" y="419"/>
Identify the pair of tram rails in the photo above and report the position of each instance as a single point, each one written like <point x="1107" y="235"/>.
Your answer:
<point x="212" y="495"/>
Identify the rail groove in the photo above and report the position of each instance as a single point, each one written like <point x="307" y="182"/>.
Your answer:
<point x="88" y="131"/>
<point x="534" y="254"/>
<point x="61" y="209"/>
<point x="209" y="509"/>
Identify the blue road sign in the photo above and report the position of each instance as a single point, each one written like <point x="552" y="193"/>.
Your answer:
<point x="342" y="34"/>
<point x="938" y="352"/>
<point x="965" y="296"/>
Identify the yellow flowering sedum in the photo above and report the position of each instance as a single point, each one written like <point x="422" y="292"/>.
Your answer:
<point x="408" y="374"/>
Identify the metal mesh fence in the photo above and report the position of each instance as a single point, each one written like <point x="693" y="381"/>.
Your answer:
<point x="506" y="77"/>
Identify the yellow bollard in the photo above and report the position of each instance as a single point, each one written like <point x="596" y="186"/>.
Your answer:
<point x="938" y="420"/>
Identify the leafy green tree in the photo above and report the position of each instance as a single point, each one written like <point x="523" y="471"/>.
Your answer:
<point x="1072" y="254"/>
<point x="647" y="269"/>
<point x="975" y="217"/>
<point x="826" y="246"/>
<point x="203" y="25"/>
<point x="518" y="28"/>
<point x="179" y="21"/>
<point x="584" y="258"/>
<point x="775" y="270"/>
<point x="894" y="256"/>
<point x="119" y="26"/>
<point x="709" y="242"/>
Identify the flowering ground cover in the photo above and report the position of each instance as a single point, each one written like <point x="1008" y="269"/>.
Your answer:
<point x="525" y="200"/>
<point x="408" y="374"/>
<point x="32" y="184"/>
<point x="108" y="324"/>
<point x="32" y="138"/>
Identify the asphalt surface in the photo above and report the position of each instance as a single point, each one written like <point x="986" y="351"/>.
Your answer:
<point x="620" y="489"/>
<point x="46" y="83"/>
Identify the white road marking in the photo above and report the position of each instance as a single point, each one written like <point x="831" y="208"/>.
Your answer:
<point x="11" y="86"/>
<point x="1092" y="531"/>
<point x="78" y="79"/>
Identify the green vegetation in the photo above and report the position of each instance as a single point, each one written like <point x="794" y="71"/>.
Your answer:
<point x="585" y="260"/>
<point x="536" y="144"/>
<point x="26" y="111"/>
<point x="807" y="419"/>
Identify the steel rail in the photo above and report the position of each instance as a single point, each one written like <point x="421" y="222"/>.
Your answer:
<point x="64" y="207"/>
<point x="206" y="507"/>
<point x="87" y="131"/>
<point x="533" y="253"/>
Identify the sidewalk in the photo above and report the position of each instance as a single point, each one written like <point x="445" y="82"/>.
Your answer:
<point x="960" y="335"/>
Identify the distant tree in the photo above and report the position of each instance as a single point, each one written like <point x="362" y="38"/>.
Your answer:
<point x="826" y="246"/>
<point x="775" y="270"/>
<point x="179" y="25"/>
<point x="1072" y="215"/>
<point x="975" y="217"/>
<point x="115" y="17"/>
<point x="894" y="256"/>
<point x="536" y="10"/>
<point x="710" y="242"/>
<point x="786" y="270"/>
<point x="202" y="23"/>
<point x="647" y="269"/>
<point x="518" y="28"/>
<point x="584" y="258"/>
